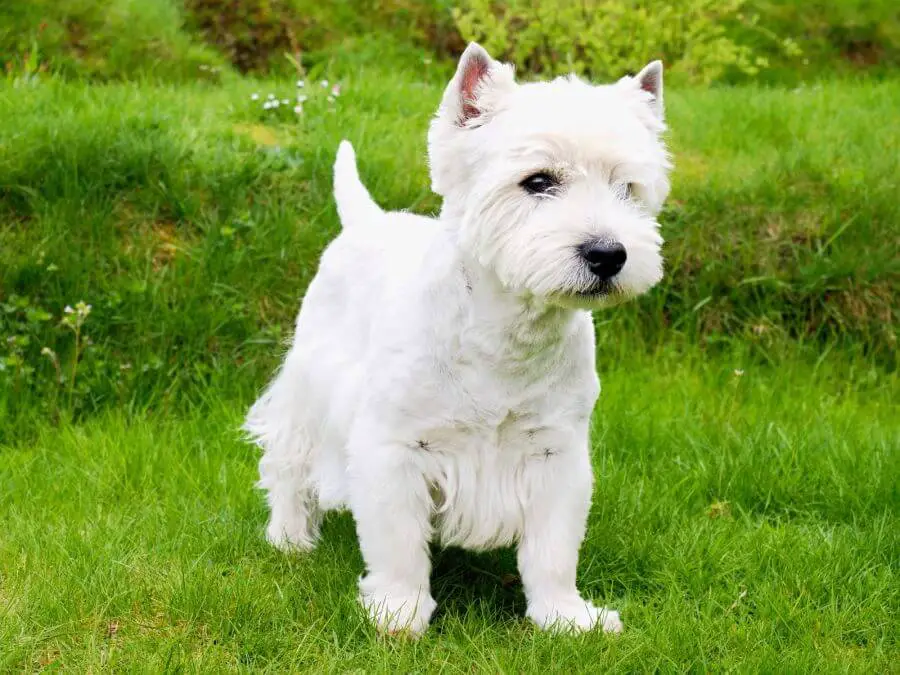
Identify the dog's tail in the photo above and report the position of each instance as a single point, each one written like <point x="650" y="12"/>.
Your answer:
<point x="354" y="203"/>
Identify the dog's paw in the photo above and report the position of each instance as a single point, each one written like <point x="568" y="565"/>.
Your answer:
<point x="290" y="539"/>
<point x="399" y="613"/>
<point x="573" y="614"/>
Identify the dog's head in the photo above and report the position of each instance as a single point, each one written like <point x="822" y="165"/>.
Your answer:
<point x="555" y="185"/>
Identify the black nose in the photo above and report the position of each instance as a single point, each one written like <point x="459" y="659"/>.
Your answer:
<point x="605" y="259"/>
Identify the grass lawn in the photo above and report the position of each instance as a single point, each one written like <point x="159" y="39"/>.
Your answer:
<point x="746" y="513"/>
<point x="744" y="521"/>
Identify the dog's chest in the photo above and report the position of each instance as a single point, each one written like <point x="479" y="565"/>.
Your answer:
<point x="480" y="471"/>
<point x="486" y="415"/>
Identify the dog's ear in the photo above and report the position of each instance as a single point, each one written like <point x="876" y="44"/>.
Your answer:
<point x="475" y="88"/>
<point x="650" y="80"/>
<point x="476" y="92"/>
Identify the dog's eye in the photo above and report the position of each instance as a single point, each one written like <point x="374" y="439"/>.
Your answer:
<point x="539" y="184"/>
<point x="628" y="191"/>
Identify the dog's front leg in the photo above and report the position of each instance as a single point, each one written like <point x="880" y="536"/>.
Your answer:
<point x="391" y="504"/>
<point x="555" y="521"/>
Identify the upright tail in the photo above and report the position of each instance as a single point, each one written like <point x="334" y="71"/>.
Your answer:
<point x="354" y="203"/>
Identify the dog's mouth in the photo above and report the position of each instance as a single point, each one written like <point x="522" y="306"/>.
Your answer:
<point x="601" y="289"/>
<point x="595" y="296"/>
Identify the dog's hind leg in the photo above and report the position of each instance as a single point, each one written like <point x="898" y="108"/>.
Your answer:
<point x="294" y="513"/>
<point x="277" y="423"/>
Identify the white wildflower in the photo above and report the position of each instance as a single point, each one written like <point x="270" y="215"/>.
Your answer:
<point x="324" y="83"/>
<point x="738" y="372"/>
<point x="254" y="97"/>
<point x="336" y="90"/>
<point x="298" y="109"/>
<point x="301" y="83"/>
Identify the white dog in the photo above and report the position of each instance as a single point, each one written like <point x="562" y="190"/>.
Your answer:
<point x="442" y="374"/>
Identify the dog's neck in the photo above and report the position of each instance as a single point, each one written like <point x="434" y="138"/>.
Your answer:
<point x="526" y="330"/>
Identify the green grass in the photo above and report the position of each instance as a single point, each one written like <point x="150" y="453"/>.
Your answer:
<point x="741" y="521"/>
<point x="113" y="39"/>
<point x="745" y="522"/>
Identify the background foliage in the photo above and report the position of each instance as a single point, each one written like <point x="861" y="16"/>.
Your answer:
<point x="772" y="41"/>
<point x="695" y="37"/>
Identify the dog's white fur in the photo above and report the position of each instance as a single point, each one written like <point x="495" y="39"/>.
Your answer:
<point x="442" y="374"/>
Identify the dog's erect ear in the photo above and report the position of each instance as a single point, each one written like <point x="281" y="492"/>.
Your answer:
<point x="474" y="89"/>
<point x="477" y="91"/>
<point x="650" y="79"/>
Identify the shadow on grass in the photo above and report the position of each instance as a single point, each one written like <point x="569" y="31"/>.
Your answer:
<point x="486" y="583"/>
<point x="461" y="581"/>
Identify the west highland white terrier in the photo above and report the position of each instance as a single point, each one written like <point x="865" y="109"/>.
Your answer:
<point x="442" y="374"/>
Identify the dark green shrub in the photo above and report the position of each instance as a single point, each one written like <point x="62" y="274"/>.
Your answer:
<point x="835" y="36"/>
<point x="255" y="34"/>
<point x="249" y="34"/>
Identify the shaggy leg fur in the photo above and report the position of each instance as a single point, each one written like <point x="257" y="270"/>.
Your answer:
<point x="284" y="469"/>
<point x="394" y="530"/>
<point x="548" y="552"/>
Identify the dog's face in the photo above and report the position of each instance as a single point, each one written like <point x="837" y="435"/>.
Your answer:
<point x="555" y="185"/>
